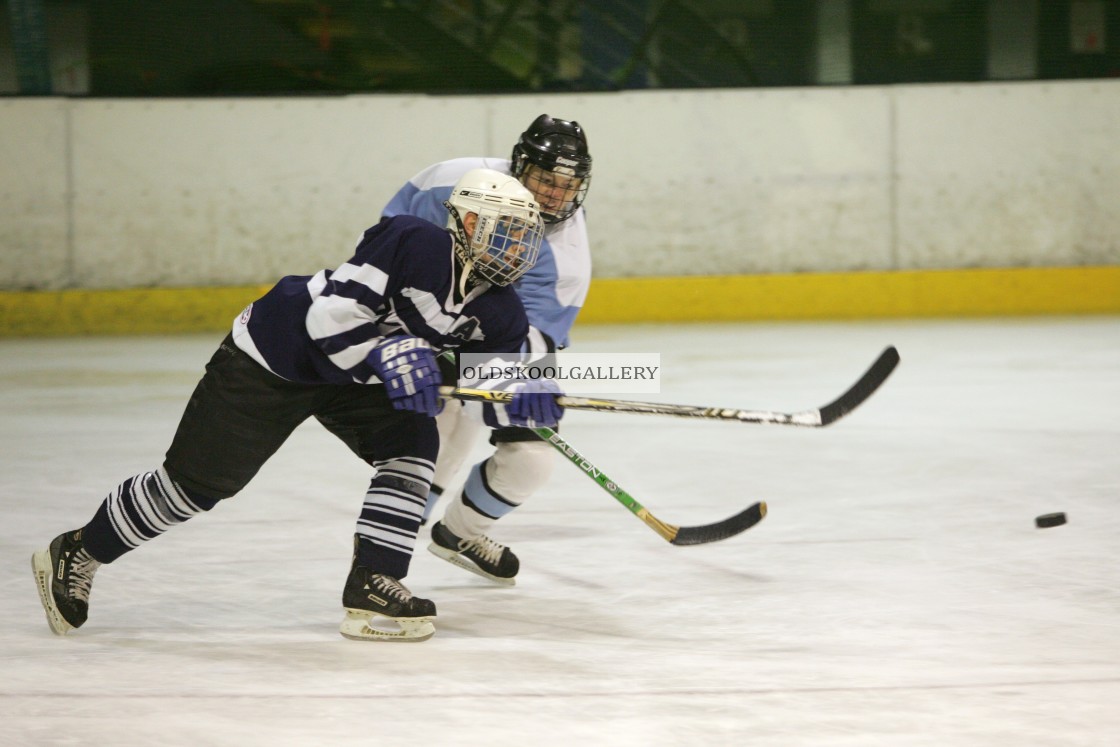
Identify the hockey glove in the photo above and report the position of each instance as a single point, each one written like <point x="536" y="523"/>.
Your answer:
<point x="534" y="404"/>
<point x="410" y="373"/>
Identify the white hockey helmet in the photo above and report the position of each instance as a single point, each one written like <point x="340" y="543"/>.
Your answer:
<point x="507" y="235"/>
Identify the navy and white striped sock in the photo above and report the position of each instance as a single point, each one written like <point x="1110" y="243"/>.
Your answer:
<point x="140" y="509"/>
<point x="391" y="514"/>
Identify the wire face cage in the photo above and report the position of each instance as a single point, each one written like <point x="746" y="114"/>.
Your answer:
<point x="505" y="247"/>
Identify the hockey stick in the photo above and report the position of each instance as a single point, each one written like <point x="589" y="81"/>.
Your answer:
<point x="871" y="380"/>
<point x="676" y="535"/>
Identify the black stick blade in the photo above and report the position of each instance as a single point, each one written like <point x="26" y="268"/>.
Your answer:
<point x="721" y="530"/>
<point x="862" y="389"/>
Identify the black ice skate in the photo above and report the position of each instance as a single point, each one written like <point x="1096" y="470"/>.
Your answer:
<point x="480" y="555"/>
<point x="381" y="608"/>
<point x="64" y="573"/>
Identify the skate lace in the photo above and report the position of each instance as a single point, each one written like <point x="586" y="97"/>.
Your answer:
<point x="392" y="587"/>
<point x="484" y="547"/>
<point x="82" y="568"/>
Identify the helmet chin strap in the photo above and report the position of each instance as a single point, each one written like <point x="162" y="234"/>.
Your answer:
<point x="467" y="279"/>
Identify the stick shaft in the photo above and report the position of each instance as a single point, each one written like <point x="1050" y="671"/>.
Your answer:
<point x="811" y="417"/>
<point x="676" y="535"/>
<point x="667" y="531"/>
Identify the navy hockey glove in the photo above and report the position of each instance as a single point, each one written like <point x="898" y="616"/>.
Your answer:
<point x="409" y="370"/>
<point x="534" y="404"/>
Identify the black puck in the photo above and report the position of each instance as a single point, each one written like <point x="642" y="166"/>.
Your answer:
<point x="1050" y="520"/>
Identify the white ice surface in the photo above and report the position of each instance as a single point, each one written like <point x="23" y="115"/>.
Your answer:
<point x="897" y="594"/>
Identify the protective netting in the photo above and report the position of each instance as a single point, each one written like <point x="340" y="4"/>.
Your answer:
<point x="247" y="47"/>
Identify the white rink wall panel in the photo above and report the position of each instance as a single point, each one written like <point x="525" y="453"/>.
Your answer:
<point x="213" y="192"/>
<point x="1009" y="175"/>
<point x="730" y="182"/>
<point x="108" y="193"/>
<point x="34" y="221"/>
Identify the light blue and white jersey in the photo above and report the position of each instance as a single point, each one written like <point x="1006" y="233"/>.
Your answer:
<point x="554" y="290"/>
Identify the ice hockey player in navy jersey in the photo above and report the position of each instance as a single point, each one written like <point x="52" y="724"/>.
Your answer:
<point x="552" y="160"/>
<point x="356" y="348"/>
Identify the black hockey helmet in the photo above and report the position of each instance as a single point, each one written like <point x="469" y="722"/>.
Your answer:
<point x="558" y="146"/>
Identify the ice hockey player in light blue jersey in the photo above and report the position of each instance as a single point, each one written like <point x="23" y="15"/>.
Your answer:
<point x="551" y="159"/>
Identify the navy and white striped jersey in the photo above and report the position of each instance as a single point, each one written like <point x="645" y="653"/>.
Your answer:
<point x="554" y="290"/>
<point x="401" y="281"/>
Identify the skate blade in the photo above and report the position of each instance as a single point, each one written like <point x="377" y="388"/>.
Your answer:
<point x="362" y="625"/>
<point x="41" y="567"/>
<point x="455" y="558"/>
